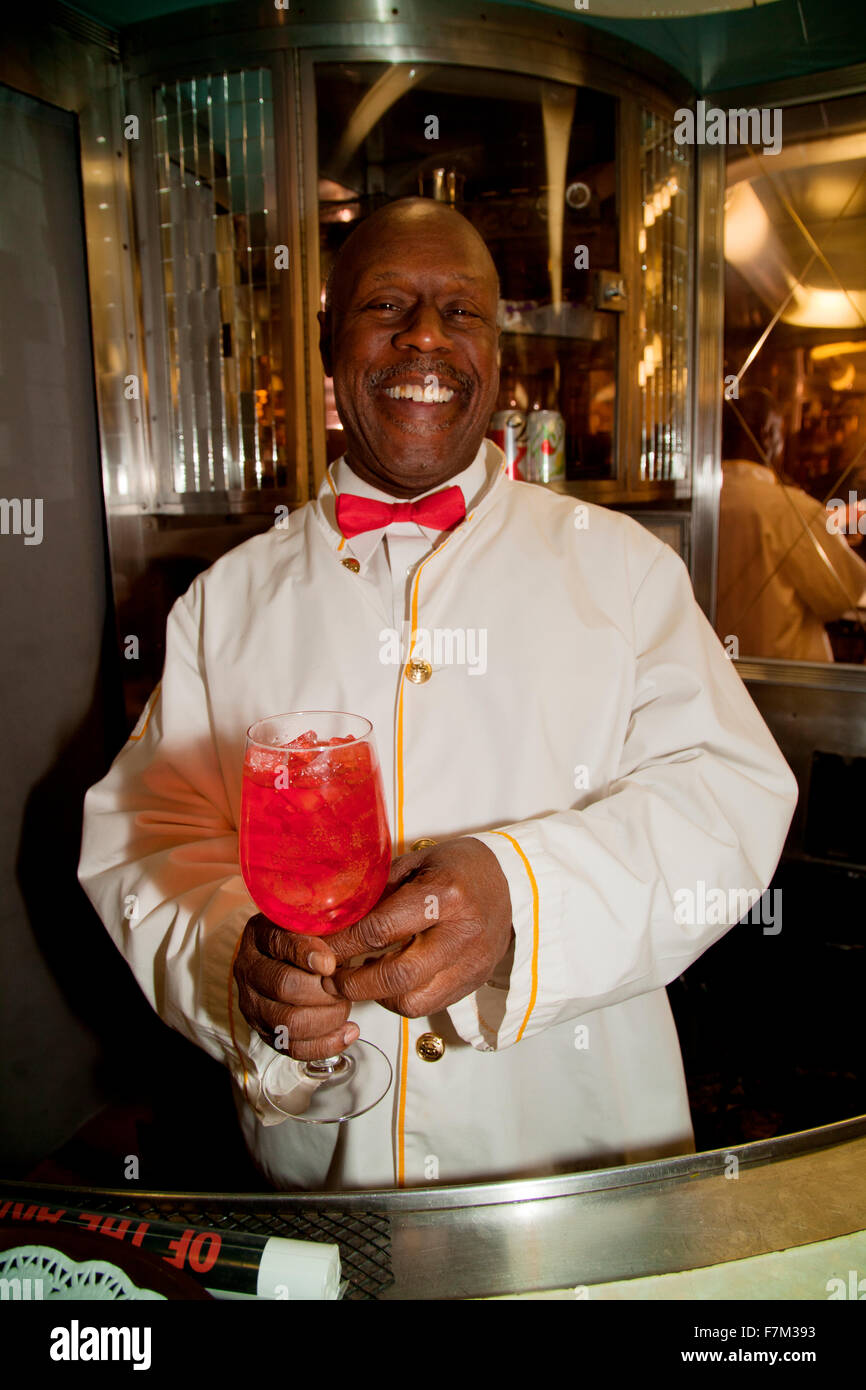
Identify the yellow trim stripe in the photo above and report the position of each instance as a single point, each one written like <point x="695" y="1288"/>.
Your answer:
<point x="484" y="1024"/>
<point x="533" y="884"/>
<point x="334" y="490"/>
<point x="133" y="738"/>
<point x="413" y="612"/>
<point x="399" y="798"/>
<point x="401" y="1105"/>
<point x="401" y="835"/>
<point x="231" y="1014"/>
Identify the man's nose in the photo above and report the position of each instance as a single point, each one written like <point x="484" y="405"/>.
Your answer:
<point x="425" y="331"/>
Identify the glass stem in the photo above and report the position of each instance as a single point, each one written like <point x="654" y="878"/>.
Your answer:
<point x="323" y="1066"/>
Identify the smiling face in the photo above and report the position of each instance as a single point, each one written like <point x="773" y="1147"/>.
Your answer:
<point x="411" y="342"/>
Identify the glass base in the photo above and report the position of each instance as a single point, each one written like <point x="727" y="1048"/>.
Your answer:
<point x="329" y="1091"/>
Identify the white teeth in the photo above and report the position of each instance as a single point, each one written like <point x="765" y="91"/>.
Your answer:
<point x="425" y="395"/>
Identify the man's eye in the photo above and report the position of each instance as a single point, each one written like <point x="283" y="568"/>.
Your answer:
<point x="468" y="313"/>
<point x="383" y="304"/>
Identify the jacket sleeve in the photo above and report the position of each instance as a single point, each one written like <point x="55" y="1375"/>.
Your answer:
<point x="610" y="900"/>
<point x="159" y="862"/>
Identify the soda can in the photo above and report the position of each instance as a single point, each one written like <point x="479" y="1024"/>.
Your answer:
<point x="545" y="451"/>
<point x="508" y="429"/>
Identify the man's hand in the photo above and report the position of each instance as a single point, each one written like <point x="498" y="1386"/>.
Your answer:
<point x="280" y="987"/>
<point x="450" y="910"/>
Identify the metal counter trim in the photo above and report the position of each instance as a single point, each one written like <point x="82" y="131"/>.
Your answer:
<point x="581" y="1229"/>
<point x="813" y="675"/>
<point x="597" y="1180"/>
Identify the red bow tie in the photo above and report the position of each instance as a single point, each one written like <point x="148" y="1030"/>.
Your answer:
<point x="438" y="512"/>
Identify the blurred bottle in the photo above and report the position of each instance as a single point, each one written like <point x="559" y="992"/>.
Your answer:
<point x="508" y="387"/>
<point x="507" y="427"/>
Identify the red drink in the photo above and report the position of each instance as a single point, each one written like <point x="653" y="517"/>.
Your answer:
<point x="314" y="843"/>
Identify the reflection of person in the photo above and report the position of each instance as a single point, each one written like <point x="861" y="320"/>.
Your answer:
<point x="782" y="573"/>
<point x="606" y="759"/>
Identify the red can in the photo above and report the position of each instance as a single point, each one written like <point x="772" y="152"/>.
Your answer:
<point x="507" y="428"/>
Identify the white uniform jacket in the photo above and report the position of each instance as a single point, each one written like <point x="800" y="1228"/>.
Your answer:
<point x="609" y="755"/>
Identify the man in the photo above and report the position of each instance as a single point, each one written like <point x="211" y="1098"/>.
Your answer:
<point x="553" y="800"/>
<point x="783" y="571"/>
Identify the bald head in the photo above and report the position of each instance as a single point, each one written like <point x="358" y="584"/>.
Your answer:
<point x="412" y="302"/>
<point x="413" y="215"/>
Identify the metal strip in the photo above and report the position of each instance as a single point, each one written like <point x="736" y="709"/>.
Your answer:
<point x="153" y="310"/>
<point x="814" y="675"/>
<point x="706" y="372"/>
<point x="308" y="227"/>
<point x="794" y="91"/>
<point x="81" y="26"/>
<point x="473" y="36"/>
<point x="627" y="451"/>
<point x="295" y="372"/>
<point x="599" y="1180"/>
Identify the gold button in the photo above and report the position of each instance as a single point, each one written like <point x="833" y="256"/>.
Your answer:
<point x="419" y="672"/>
<point x="351" y="563"/>
<point x="430" y="1047"/>
<point x="422" y="844"/>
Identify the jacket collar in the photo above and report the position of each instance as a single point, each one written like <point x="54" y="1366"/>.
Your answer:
<point x="482" y="480"/>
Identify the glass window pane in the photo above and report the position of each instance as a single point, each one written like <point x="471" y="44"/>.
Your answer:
<point x="215" y="159"/>
<point x="663" y="340"/>
<point x="791" y="576"/>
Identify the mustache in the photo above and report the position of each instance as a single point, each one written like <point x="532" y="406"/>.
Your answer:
<point x="445" y="373"/>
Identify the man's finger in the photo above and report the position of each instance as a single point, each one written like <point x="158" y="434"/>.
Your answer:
<point x="389" y="922"/>
<point x="283" y="983"/>
<point x="444" y="989"/>
<point x="306" y="952"/>
<point x="330" y="1046"/>
<point x="397" y="919"/>
<point x="295" y="1025"/>
<point x="399" y="972"/>
<point x="403" y="866"/>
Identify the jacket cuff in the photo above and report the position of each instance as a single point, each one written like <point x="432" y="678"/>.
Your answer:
<point x="499" y="1013"/>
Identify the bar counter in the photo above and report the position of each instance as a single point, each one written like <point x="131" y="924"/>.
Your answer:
<point x="566" y="1236"/>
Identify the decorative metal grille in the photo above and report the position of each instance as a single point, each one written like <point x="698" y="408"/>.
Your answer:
<point x="364" y="1237"/>
<point x="664" y="303"/>
<point x="216" y="185"/>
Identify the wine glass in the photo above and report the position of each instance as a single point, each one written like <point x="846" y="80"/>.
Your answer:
<point x="315" y="852"/>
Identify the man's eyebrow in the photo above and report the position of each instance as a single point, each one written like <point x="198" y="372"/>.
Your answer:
<point x="378" y="276"/>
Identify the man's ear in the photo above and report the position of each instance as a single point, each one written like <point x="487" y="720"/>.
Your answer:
<point x="325" y="341"/>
